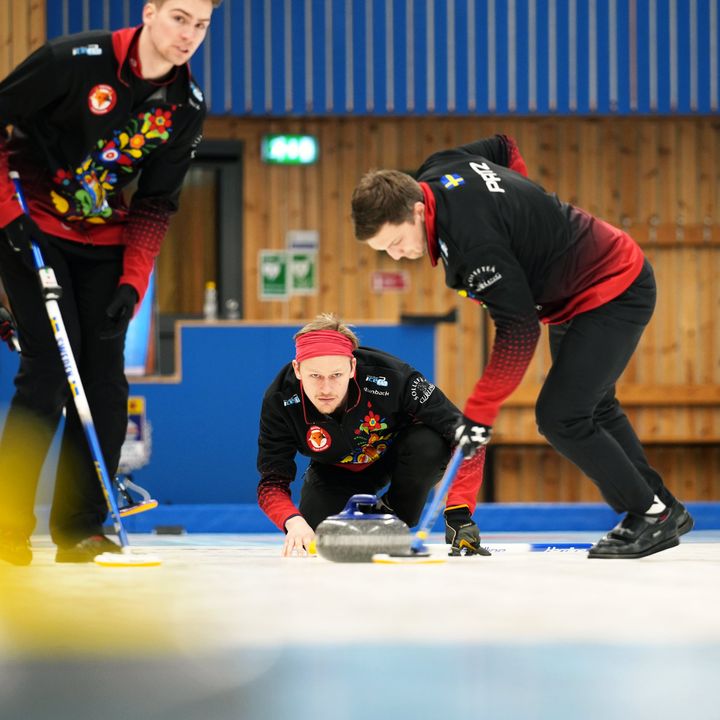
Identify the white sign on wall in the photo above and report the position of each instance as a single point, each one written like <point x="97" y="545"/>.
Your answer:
<point x="302" y="240"/>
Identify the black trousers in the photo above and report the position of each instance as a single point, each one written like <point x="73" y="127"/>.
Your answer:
<point x="88" y="276"/>
<point x="412" y="466"/>
<point x="577" y="410"/>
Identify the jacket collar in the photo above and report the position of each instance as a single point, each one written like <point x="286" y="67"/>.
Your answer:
<point x="124" y="46"/>
<point x="122" y="42"/>
<point x="430" y="223"/>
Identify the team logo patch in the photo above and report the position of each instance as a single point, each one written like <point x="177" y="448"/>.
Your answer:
<point x="102" y="99"/>
<point x="482" y="278"/>
<point x="421" y="389"/>
<point x="451" y="181"/>
<point x="317" y="439"/>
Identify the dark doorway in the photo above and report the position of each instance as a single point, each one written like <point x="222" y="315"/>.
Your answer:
<point x="204" y="243"/>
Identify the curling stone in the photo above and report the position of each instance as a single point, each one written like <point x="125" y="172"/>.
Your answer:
<point x="358" y="532"/>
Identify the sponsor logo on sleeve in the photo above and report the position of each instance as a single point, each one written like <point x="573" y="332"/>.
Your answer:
<point x="380" y="380"/>
<point x="375" y="391"/>
<point x="421" y="389"/>
<point x="377" y="379"/>
<point x="87" y="50"/>
<point x="294" y="400"/>
<point x="318" y="440"/>
<point x="482" y="278"/>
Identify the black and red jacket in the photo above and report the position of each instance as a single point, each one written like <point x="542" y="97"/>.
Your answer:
<point x="85" y="125"/>
<point x="385" y="396"/>
<point x="518" y="250"/>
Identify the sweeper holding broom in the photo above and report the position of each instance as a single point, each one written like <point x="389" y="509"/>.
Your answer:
<point x="368" y="421"/>
<point x="529" y="258"/>
<point x="89" y="114"/>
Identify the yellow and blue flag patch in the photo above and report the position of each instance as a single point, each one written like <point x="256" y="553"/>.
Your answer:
<point x="451" y="181"/>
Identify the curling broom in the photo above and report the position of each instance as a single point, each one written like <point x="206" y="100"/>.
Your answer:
<point x="52" y="292"/>
<point x="419" y="552"/>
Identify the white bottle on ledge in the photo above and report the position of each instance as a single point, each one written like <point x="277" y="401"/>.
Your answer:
<point x="210" y="305"/>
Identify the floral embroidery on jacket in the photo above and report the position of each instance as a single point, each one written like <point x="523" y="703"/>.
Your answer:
<point x="371" y="443"/>
<point x="83" y="194"/>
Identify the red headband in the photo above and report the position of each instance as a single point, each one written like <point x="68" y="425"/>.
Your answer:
<point x="322" y="342"/>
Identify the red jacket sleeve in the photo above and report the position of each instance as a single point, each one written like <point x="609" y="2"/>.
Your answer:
<point x="275" y="500"/>
<point x="464" y="489"/>
<point x="9" y="206"/>
<point x="144" y="232"/>
<point x="500" y="149"/>
<point x="511" y="354"/>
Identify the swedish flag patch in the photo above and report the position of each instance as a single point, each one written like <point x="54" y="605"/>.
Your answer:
<point x="451" y="181"/>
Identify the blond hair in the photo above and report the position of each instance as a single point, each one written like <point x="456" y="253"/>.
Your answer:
<point x="158" y="3"/>
<point x="329" y="321"/>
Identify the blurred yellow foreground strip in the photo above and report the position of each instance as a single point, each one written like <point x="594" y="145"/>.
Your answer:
<point x="48" y="609"/>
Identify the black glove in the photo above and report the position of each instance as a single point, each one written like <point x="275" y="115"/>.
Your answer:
<point x="461" y="533"/>
<point x="119" y="312"/>
<point x="8" y="332"/>
<point x="19" y="233"/>
<point x="470" y="436"/>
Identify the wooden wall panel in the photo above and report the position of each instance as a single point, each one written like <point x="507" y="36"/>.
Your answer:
<point x="22" y="30"/>
<point x="539" y="474"/>
<point x="658" y="178"/>
<point x="189" y="251"/>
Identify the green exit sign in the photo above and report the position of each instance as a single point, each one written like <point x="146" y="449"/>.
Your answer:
<point x="289" y="149"/>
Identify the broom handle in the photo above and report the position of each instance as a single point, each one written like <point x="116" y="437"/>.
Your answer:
<point x="431" y="511"/>
<point x="51" y="293"/>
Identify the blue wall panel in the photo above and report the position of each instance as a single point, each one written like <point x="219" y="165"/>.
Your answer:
<point x="420" y="50"/>
<point x="663" y="44"/>
<point x="521" y="70"/>
<point x="445" y="57"/>
<point x="619" y="40"/>
<point x="583" y="60"/>
<point x="205" y="427"/>
<point x="561" y="75"/>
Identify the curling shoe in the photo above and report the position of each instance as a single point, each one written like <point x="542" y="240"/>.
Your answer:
<point x="15" y="547"/>
<point x="683" y="519"/>
<point x="637" y="536"/>
<point x="86" y="550"/>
